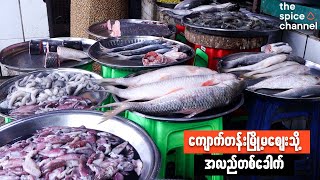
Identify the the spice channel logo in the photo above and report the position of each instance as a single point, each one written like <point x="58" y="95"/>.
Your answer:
<point x="290" y="15"/>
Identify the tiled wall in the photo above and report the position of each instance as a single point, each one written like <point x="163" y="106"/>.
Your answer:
<point x="304" y="45"/>
<point x="22" y="20"/>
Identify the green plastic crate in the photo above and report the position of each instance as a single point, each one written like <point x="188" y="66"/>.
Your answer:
<point x="108" y="72"/>
<point x="169" y="135"/>
<point x="88" y="67"/>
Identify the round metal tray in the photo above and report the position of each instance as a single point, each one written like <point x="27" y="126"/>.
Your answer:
<point x="99" y="30"/>
<point x="122" y="128"/>
<point x="94" y="52"/>
<point x="207" y="115"/>
<point x="16" y="57"/>
<point x="234" y="32"/>
<point x="95" y="97"/>
<point x="315" y="70"/>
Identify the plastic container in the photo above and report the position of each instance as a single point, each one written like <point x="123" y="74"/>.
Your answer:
<point x="169" y="136"/>
<point x="265" y="112"/>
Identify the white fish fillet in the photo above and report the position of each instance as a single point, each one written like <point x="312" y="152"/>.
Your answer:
<point x="271" y="68"/>
<point x="294" y="69"/>
<point x="262" y="64"/>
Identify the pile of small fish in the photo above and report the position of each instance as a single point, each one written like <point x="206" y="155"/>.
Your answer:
<point x="234" y="20"/>
<point x="275" y="70"/>
<point x="150" y="52"/>
<point x="49" y="90"/>
<point x="186" y="90"/>
<point x="145" y="28"/>
<point x="57" y="52"/>
<point x="70" y="153"/>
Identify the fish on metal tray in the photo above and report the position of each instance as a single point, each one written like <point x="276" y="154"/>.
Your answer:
<point x="189" y="101"/>
<point x="139" y="51"/>
<point x="270" y="68"/>
<point x="260" y="65"/>
<point x="165" y="87"/>
<point x="294" y="69"/>
<point x="132" y="46"/>
<point x="302" y="92"/>
<point x="235" y="20"/>
<point x="286" y="82"/>
<point x="158" y="75"/>
<point x="245" y="60"/>
<point x="203" y="8"/>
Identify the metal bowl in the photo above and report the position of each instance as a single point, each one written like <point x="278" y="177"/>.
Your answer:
<point x="95" y="97"/>
<point x="122" y="128"/>
<point x="16" y="57"/>
<point x="99" y="30"/>
<point x="95" y="49"/>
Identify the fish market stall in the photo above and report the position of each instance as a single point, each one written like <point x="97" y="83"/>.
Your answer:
<point x="201" y="65"/>
<point x="164" y="116"/>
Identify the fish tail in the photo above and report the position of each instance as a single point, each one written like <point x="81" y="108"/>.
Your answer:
<point x="112" y="89"/>
<point x="120" y="107"/>
<point x="107" y="81"/>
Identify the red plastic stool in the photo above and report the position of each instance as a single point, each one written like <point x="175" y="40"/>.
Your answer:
<point x="209" y="57"/>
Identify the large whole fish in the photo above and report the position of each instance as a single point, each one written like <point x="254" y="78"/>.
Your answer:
<point x="162" y="88"/>
<point x="251" y="59"/>
<point x="190" y="101"/>
<point x="159" y="75"/>
<point x="302" y="92"/>
<point x="245" y="60"/>
<point x="271" y="68"/>
<point x="294" y="69"/>
<point x="286" y="82"/>
<point x="132" y="46"/>
<point x="140" y="51"/>
<point x="262" y="64"/>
